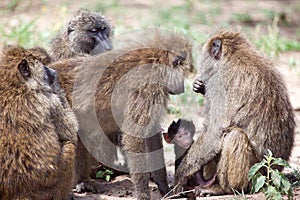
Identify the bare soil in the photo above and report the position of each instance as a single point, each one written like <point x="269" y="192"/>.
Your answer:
<point x="133" y="14"/>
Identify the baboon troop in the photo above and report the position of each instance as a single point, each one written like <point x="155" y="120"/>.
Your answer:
<point x="247" y="112"/>
<point x="38" y="133"/>
<point x="86" y="33"/>
<point x="55" y="120"/>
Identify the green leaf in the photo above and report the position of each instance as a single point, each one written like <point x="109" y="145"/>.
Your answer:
<point x="272" y="194"/>
<point x="286" y="185"/>
<point x="100" y="174"/>
<point x="276" y="178"/>
<point x="109" y="172"/>
<point x="259" y="183"/>
<point x="107" y="178"/>
<point x="270" y="154"/>
<point x="281" y="162"/>
<point x="254" y="178"/>
<point x="255" y="168"/>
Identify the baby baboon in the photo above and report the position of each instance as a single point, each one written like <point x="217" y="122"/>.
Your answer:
<point x="87" y="32"/>
<point x="38" y="134"/>
<point x="129" y="89"/>
<point x="248" y="112"/>
<point x="181" y="134"/>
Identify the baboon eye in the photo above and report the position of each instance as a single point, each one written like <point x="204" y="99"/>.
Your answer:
<point x="93" y="30"/>
<point x="103" y="28"/>
<point x="178" y="61"/>
<point x="24" y="68"/>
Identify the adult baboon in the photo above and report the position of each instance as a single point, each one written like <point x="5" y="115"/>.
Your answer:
<point x="122" y="94"/>
<point x="247" y="112"/>
<point x="87" y="32"/>
<point x="38" y="133"/>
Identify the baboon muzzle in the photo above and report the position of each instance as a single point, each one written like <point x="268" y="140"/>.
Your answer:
<point x="50" y="75"/>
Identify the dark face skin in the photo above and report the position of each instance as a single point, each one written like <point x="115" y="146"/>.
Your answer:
<point x="101" y="38"/>
<point x="183" y="138"/>
<point x="92" y="38"/>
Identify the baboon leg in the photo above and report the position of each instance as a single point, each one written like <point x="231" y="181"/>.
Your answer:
<point x="83" y="170"/>
<point x="83" y="163"/>
<point x="236" y="159"/>
<point x="159" y="177"/>
<point x="154" y="144"/>
<point x="210" y="169"/>
<point x="64" y="186"/>
<point x="141" y="181"/>
<point x="135" y="149"/>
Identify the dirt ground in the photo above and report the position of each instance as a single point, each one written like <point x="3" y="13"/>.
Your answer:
<point x="132" y="15"/>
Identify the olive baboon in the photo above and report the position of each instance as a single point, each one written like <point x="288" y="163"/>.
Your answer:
<point x="87" y="32"/>
<point x="38" y="134"/>
<point x="129" y="89"/>
<point x="248" y="112"/>
<point x="181" y="134"/>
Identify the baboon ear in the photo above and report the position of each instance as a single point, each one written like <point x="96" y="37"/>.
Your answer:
<point x="24" y="68"/>
<point x="216" y="49"/>
<point x="167" y="138"/>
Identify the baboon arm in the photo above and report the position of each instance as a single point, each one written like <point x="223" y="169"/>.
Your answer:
<point x="65" y="126"/>
<point x="200" y="153"/>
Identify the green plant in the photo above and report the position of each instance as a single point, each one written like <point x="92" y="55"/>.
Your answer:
<point x="242" y="17"/>
<point x="105" y="174"/>
<point x="24" y="34"/>
<point x="104" y="6"/>
<point x="272" y="43"/>
<point x="274" y="184"/>
<point x="12" y="4"/>
<point x="239" y="195"/>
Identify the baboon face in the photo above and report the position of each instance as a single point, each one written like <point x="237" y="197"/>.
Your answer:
<point x="180" y="133"/>
<point x="27" y="69"/>
<point x="218" y="52"/>
<point x="181" y="67"/>
<point x="89" y="31"/>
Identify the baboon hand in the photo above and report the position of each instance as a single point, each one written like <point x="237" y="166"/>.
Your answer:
<point x="198" y="86"/>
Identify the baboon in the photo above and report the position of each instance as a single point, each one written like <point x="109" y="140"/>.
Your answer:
<point x="128" y="90"/>
<point x="87" y="32"/>
<point x="38" y="134"/>
<point x="247" y="112"/>
<point x="181" y="134"/>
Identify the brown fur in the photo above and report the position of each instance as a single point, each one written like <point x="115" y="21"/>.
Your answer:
<point x="125" y="86"/>
<point x="78" y="38"/>
<point x="37" y="133"/>
<point x="248" y="112"/>
<point x="41" y="54"/>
